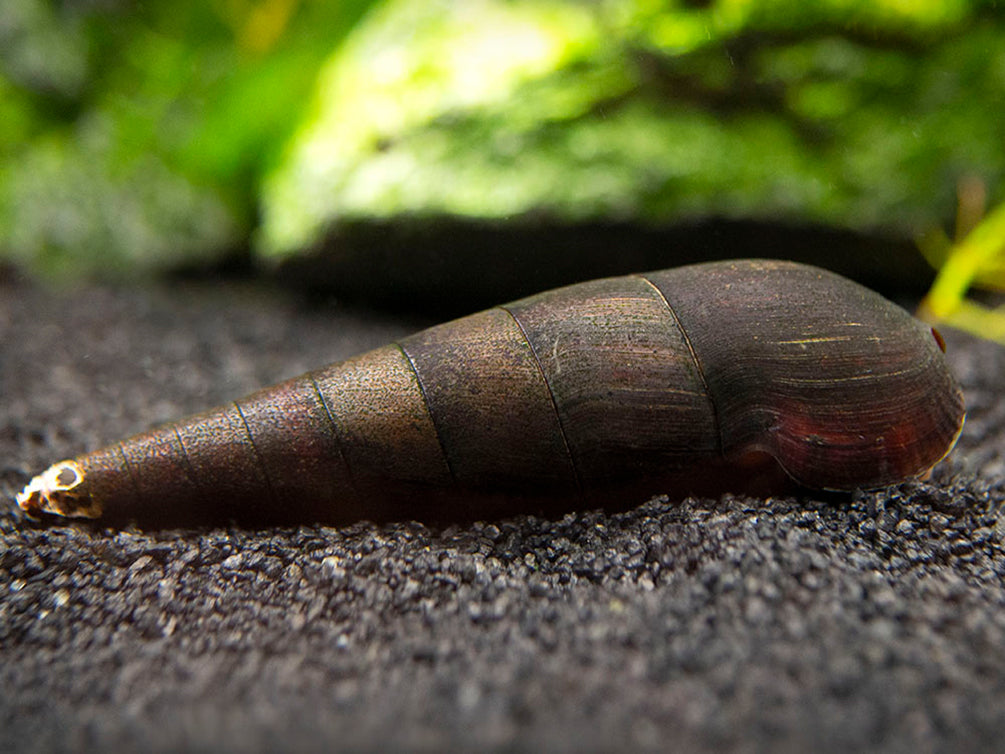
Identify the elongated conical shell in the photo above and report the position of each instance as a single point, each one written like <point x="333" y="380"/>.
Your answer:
<point x="634" y="382"/>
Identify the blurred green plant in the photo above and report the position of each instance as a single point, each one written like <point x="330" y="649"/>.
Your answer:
<point x="133" y="135"/>
<point x="976" y="259"/>
<point x="148" y="136"/>
<point x="851" y="115"/>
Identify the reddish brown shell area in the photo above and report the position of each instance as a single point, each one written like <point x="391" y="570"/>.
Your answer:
<point x="842" y="387"/>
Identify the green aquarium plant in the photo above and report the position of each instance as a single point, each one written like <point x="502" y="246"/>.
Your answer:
<point x="975" y="260"/>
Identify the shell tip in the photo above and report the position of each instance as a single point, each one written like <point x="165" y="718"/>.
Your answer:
<point x="59" y="490"/>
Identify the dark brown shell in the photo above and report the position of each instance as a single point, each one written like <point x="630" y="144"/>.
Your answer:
<point x="632" y="382"/>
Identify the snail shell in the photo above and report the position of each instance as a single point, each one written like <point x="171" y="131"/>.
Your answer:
<point x="629" y="382"/>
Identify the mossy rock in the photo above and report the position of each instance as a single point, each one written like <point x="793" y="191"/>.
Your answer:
<point x="435" y="118"/>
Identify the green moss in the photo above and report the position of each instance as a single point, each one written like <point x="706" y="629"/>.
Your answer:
<point x="859" y="115"/>
<point x="133" y="135"/>
<point x="71" y="192"/>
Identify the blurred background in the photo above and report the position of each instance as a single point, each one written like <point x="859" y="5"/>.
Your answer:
<point x="450" y="154"/>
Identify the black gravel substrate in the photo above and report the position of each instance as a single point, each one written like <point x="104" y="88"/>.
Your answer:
<point x="729" y="625"/>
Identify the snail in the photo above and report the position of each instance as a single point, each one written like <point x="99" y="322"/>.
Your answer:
<point x="625" y="383"/>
